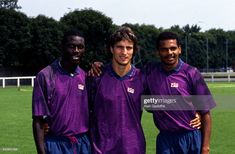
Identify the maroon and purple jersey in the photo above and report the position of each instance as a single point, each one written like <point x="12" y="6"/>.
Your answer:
<point x="116" y="113"/>
<point x="184" y="80"/>
<point x="62" y="98"/>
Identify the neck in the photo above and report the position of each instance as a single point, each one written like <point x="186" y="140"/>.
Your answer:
<point x="121" y="70"/>
<point x="67" y="66"/>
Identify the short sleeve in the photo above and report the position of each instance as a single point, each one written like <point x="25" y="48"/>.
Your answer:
<point x="203" y="99"/>
<point x="39" y="100"/>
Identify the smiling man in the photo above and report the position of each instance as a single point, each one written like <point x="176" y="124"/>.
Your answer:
<point x="116" y="100"/>
<point x="172" y="77"/>
<point x="60" y="98"/>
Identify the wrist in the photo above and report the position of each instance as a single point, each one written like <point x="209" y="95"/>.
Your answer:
<point x="205" y="150"/>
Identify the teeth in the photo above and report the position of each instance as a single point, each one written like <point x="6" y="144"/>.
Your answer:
<point x="75" y="58"/>
<point x="123" y="58"/>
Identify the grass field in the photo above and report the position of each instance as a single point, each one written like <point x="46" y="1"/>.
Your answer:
<point x="16" y="133"/>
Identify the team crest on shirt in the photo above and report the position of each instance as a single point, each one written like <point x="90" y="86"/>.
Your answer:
<point x="130" y="90"/>
<point x="80" y="86"/>
<point x="174" y="85"/>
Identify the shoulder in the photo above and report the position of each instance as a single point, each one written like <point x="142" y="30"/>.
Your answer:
<point x="150" y="67"/>
<point x="190" y="70"/>
<point x="192" y="74"/>
<point x="48" y="70"/>
<point x="82" y="72"/>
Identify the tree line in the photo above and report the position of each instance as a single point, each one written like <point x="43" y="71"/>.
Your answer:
<point x="32" y="43"/>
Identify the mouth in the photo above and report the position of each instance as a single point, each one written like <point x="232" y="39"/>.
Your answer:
<point x="170" y="58"/>
<point x="123" y="58"/>
<point x="75" y="57"/>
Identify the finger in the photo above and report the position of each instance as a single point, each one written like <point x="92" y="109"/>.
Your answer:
<point x="196" y="124"/>
<point x="195" y="120"/>
<point x="100" y="64"/>
<point x="89" y="73"/>
<point x="95" y="70"/>
<point x="198" y="115"/>
<point x="92" y="73"/>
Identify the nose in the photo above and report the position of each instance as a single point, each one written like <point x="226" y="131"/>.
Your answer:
<point x="170" y="51"/>
<point x="124" y="50"/>
<point x="76" y="49"/>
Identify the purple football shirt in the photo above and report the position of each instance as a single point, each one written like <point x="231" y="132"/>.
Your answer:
<point x="184" y="80"/>
<point x="62" y="97"/>
<point x="116" y="113"/>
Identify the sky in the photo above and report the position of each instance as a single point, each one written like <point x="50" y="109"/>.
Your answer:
<point x="161" y="13"/>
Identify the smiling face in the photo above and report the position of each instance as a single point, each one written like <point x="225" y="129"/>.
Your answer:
<point x="169" y="52"/>
<point x="122" y="52"/>
<point x="73" y="49"/>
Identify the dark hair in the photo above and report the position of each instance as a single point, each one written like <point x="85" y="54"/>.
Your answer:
<point x="167" y="36"/>
<point x="123" y="33"/>
<point x="71" y="32"/>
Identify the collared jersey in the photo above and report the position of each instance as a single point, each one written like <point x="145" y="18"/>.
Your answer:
<point x="116" y="113"/>
<point x="184" y="80"/>
<point x="62" y="98"/>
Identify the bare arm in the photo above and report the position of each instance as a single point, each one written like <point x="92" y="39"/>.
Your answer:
<point x="38" y="134"/>
<point x="206" y="133"/>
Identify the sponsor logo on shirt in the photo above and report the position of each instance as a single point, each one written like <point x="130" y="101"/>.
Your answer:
<point x="130" y="90"/>
<point x="174" y="85"/>
<point x="80" y="86"/>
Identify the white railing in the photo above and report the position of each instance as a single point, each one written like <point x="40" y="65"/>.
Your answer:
<point x="209" y="77"/>
<point x="18" y="79"/>
<point x="219" y="76"/>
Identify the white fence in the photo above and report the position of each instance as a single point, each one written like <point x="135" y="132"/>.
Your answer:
<point x="209" y="77"/>
<point x="219" y="77"/>
<point x="4" y="80"/>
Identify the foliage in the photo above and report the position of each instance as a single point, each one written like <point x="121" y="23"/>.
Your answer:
<point x="9" y="4"/>
<point x="45" y="39"/>
<point x="14" y="40"/>
<point x="96" y="27"/>
<point x="33" y="43"/>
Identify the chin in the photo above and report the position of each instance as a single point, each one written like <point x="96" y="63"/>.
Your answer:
<point x="75" y="62"/>
<point x="124" y="63"/>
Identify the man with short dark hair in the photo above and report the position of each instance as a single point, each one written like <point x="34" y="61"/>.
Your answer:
<point x="173" y="77"/>
<point x="60" y="99"/>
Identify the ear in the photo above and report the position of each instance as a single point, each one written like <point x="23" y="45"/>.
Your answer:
<point x="180" y="50"/>
<point x="111" y="49"/>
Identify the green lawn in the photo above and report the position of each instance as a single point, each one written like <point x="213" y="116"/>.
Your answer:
<point x="15" y="117"/>
<point x="16" y="132"/>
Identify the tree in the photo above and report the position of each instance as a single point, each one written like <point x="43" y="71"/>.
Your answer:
<point x="191" y="29"/>
<point x="9" y="4"/>
<point x="218" y="47"/>
<point x="46" y="35"/>
<point x="147" y="35"/>
<point x="96" y="27"/>
<point x="14" y="40"/>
